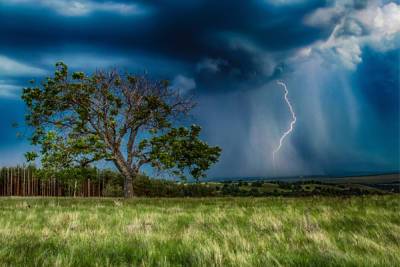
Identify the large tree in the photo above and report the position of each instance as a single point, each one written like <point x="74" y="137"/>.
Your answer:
<point x="131" y="120"/>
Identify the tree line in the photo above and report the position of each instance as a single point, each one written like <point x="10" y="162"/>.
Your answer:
<point x="94" y="182"/>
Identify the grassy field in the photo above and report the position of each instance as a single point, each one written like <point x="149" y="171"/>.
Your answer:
<point x="314" y="231"/>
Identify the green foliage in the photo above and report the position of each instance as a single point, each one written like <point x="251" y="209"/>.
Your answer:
<point x="31" y="156"/>
<point x="57" y="114"/>
<point x="113" y="190"/>
<point x="113" y="182"/>
<point x="180" y="149"/>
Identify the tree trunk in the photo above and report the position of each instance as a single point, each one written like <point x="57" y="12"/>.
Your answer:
<point x="128" y="187"/>
<point x="75" y="188"/>
<point x="129" y="175"/>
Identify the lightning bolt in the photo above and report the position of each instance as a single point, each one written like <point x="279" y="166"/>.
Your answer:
<point x="292" y="123"/>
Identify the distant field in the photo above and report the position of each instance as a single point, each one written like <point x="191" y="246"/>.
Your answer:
<point x="276" y="231"/>
<point x="371" y="179"/>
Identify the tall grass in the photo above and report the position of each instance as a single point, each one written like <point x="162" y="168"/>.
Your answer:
<point x="318" y="231"/>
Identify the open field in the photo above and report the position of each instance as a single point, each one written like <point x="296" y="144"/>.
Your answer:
<point x="312" y="231"/>
<point x="367" y="179"/>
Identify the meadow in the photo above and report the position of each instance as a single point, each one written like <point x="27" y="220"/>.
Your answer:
<point x="272" y="231"/>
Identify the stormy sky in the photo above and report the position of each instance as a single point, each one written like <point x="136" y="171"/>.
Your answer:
<point x="339" y="59"/>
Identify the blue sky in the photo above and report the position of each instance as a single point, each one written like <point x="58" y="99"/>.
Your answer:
<point x="339" y="59"/>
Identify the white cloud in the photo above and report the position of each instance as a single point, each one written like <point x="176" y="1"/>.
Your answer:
<point x="349" y="52"/>
<point x="9" y="90"/>
<point x="324" y="16"/>
<point x="11" y="67"/>
<point x="377" y="25"/>
<point x="210" y="64"/>
<point x="183" y="83"/>
<point x="383" y="23"/>
<point x="385" y="18"/>
<point x="81" y="7"/>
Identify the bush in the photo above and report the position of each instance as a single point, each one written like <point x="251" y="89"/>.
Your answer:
<point x="113" y="190"/>
<point x="257" y="184"/>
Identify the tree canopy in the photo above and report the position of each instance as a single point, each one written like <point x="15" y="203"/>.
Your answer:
<point x="131" y="120"/>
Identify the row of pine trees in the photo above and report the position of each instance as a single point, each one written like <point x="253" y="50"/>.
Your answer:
<point x="29" y="181"/>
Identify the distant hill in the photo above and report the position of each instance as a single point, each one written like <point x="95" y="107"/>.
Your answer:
<point x="368" y="179"/>
<point x="375" y="178"/>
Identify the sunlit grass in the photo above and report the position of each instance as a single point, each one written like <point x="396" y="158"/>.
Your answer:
<point x="318" y="231"/>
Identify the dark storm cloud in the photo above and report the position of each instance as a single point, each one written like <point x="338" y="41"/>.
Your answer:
<point x="171" y="27"/>
<point x="236" y="32"/>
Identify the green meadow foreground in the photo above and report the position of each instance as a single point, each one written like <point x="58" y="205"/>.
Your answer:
<point x="312" y="231"/>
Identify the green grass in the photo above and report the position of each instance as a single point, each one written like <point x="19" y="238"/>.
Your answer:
<point x="315" y="231"/>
